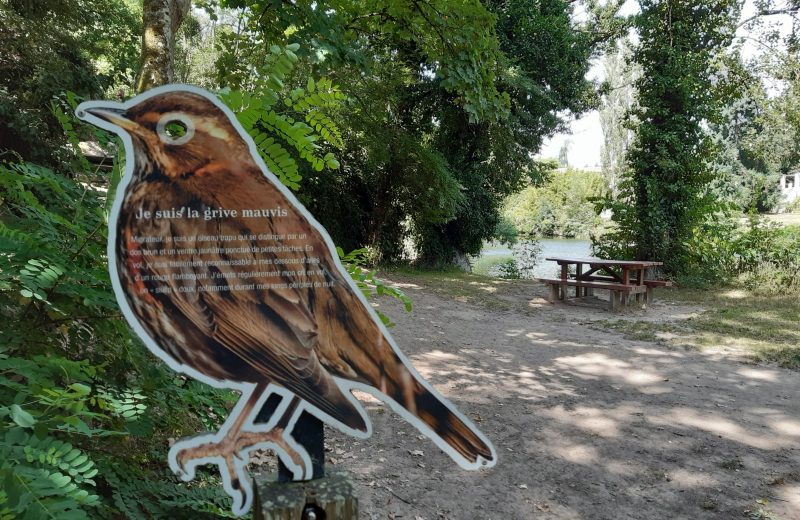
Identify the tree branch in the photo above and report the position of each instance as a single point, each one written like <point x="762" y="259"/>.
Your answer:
<point x="790" y="11"/>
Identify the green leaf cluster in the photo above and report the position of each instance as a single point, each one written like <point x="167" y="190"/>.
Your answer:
<point x="563" y="206"/>
<point x="446" y="104"/>
<point x="50" y="46"/>
<point x="279" y="119"/>
<point x="664" y="195"/>
<point x="368" y="282"/>
<point x="86" y="412"/>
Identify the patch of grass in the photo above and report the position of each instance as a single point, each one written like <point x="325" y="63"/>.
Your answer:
<point x="633" y="330"/>
<point x="784" y="218"/>
<point x="732" y="464"/>
<point x="483" y="265"/>
<point x="764" y="328"/>
<point x="760" y="512"/>
<point x="467" y="287"/>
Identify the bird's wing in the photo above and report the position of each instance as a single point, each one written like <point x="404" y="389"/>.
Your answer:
<point x="269" y="330"/>
<point x="349" y="343"/>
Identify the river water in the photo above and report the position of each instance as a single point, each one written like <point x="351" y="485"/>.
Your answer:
<point x="550" y="247"/>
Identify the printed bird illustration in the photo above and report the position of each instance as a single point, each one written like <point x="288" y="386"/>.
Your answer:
<point x="228" y="278"/>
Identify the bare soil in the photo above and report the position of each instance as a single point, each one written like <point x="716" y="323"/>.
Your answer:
<point x="588" y="424"/>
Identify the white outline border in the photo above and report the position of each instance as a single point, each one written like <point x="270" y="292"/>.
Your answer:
<point x="241" y="506"/>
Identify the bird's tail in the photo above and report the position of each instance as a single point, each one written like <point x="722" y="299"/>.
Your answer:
<point x="428" y="407"/>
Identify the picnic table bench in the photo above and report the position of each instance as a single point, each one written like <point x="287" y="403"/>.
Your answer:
<point x="622" y="278"/>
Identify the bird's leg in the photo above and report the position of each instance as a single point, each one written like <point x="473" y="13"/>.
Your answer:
<point x="247" y="439"/>
<point x="230" y="451"/>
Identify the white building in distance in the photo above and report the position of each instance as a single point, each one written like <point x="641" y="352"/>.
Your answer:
<point x="790" y="188"/>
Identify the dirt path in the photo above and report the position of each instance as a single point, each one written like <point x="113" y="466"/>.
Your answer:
<point x="588" y="425"/>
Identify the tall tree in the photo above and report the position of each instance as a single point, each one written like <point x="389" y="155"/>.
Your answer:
<point x="51" y="46"/>
<point x="161" y="18"/>
<point x="669" y="158"/>
<point x="448" y="102"/>
<point x="616" y="104"/>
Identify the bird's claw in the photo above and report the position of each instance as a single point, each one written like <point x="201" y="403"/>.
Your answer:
<point x="180" y="463"/>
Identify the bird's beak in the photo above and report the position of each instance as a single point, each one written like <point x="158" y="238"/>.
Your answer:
<point x="115" y="116"/>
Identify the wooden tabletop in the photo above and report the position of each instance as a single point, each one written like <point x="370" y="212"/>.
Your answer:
<point x="636" y="264"/>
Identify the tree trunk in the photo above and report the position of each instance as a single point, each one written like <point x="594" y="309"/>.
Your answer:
<point x="161" y="21"/>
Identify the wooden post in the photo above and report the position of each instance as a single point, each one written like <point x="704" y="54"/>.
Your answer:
<point x="325" y="497"/>
<point x="308" y="432"/>
<point x="613" y="300"/>
<point x="553" y="292"/>
<point x="563" y="281"/>
<point x="328" y="498"/>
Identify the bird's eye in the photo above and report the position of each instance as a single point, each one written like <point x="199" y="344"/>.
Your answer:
<point x="175" y="128"/>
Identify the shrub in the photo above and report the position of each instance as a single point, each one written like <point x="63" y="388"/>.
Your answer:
<point x="769" y="279"/>
<point x="85" y="410"/>
<point x="505" y="232"/>
<point x="526" y="254"/>
<point x="506" y="269"/>
<point x="491" y="265"/>
<point x="759" y="255"/>
<point x="562" y="207"/>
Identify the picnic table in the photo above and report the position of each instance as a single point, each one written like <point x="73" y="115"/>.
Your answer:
<point x="622" y="278"/>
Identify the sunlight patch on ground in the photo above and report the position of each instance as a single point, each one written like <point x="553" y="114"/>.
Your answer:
<point x="576" y="453"/>
<point x="484" y="287"/>
<point x="789" y="427"/>
<point x="403" y="285"/>
<point x="596" y="364"/>
<point x="364" y="397"/>
<point x="735" y="294"/>
<point x="657" y="352"/>
<point x="619" y="468"/>
<point x="790" y="494"/>
<point x="720" y="426"/>
<point x="655" y="390"/>
<point x="599" y="422"/>
<point x="686" y="479"/>
<point x="460" y="378"/>
<point x="758" y="373"/>
<point x="441" y="356"/>
<point x="536" y="335"/>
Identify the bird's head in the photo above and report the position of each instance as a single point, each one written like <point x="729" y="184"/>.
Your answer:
<point x="178" y="131"/>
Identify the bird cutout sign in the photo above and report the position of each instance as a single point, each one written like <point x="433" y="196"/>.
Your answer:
<point x="228" y="278"/>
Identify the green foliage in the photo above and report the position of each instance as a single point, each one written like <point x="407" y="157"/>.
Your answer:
<point x="520" y="264"/>
<point x="769" y="259"/>
<point x="750" y="152"/>
<point x="506" y="269"/>
<point x="506" y="231"/>
<point x="527" y="253"/>
<point x="271" y="118"/>
<point x="618" y="99"/>
<point x="664" y="197"/>
<point x="561" y="207"/>
<point x="370" y="285"/>
<point x="49" y="46"/>
<point x="454" y="39"/>
<point x="762" y="257"/>
<point x="85" y="411"/>
<point x="544" y="65"/>
<point x="496" y="267"/>
<point x="446" y="103"/>
<point x="43" y="477"/>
